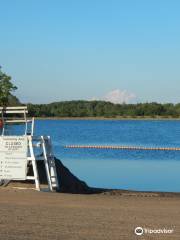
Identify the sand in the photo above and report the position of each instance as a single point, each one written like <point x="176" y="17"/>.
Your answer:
<point x="28" y="214"/>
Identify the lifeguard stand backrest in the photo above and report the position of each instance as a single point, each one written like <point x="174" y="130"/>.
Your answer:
<point x="16" y="115"/>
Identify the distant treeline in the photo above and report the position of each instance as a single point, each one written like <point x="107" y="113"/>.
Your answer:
<point x="104" y="109"/>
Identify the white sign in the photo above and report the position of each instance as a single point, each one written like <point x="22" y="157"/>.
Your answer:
<point x="13" y="157"/>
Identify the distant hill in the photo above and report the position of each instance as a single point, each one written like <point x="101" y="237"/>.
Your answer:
<point x="104" y="109"/>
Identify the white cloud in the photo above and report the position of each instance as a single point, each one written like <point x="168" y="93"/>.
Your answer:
<point x="119" y="96"/>
<point x="94" y="99"/>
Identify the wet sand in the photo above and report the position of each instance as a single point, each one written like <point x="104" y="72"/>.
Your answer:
<point x="28" y="214"/>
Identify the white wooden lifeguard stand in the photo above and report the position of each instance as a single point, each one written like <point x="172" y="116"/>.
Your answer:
<point x="41" y="142"/>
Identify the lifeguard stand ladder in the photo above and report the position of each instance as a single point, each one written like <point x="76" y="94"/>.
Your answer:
<point x="43" y="143"/>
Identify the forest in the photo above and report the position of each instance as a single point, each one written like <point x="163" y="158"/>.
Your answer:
<point x="104" y="109"/>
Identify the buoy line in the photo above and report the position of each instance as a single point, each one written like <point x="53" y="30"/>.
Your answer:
<point x="124" y="147"/>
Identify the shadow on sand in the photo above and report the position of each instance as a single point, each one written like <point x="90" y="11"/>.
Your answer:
<point x="68" y="183"/>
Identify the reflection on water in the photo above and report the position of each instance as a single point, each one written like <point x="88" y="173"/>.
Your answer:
<point x="127" y="174"/>
<point x="138" y="170"/>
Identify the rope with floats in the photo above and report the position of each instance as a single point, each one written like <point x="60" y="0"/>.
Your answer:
<point x="125" y="147"/>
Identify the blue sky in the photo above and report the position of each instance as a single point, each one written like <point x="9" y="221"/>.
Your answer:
<point x="116" y="50"/>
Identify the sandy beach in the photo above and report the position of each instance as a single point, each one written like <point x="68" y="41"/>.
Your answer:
<point x="28" y="214"/>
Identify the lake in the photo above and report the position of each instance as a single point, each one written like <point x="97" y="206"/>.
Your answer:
<point x="122" y="169"/>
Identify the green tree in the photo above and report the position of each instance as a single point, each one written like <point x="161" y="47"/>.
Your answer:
<point x="6" y="88"/>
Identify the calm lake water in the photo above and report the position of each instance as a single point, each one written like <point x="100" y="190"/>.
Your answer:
<point x="124" y="169"/>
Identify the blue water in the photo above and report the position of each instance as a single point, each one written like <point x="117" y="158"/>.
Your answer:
<point x="124" y="169"/>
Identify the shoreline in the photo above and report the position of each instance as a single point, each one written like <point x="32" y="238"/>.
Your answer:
<point x="95" y="191"/>
<point x="110" y="119"/>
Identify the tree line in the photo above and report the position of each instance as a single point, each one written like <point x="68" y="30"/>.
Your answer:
<point x="104" y="109"/>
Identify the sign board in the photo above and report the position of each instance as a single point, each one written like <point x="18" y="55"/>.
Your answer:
<point x="13" y="157"/>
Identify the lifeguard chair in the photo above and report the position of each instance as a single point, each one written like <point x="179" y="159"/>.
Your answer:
<point x="16" y="116"/>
